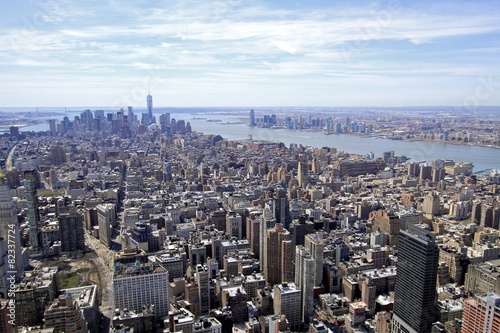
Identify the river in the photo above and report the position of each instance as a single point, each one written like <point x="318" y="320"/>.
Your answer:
<point x="229" y="126"/>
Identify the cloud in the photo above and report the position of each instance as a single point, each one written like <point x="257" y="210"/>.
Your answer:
<point x="252" y="43"/>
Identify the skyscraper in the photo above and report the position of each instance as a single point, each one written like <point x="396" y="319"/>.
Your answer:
<point x="415" y="290"/>
<point x="202" y="279"/>
<point x="314" y="244"/>
<point x="105" y="218"/>
<point x="282" y="207"/>
<point x="71" y="231"/>
<point x="150" y="107"/>
<point x="303" y="174"/>
<point x="304" y="280"/>
<point x="252" y="117"/>
<point x="278" y="266"/>
<point x="30" y="191"/>
<point x="52" y="126"/>
<point x="9" y="228"/>
<point x="165" y="122"/>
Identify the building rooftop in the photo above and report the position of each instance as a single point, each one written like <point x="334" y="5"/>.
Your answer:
<point x="137" y="268"/>
<point x="85" y="296"/>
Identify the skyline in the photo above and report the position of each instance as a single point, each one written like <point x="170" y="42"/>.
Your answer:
<point x="266" y="53"/>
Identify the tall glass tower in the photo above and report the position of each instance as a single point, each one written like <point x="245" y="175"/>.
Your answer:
<point x="150" y="107"/>
<point x="415" y="289"/>
<point x="252" y="117"/>
<point x="30" y="191"/>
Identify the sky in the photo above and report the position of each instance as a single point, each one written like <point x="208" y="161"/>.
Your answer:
<point x="249" y="53"/>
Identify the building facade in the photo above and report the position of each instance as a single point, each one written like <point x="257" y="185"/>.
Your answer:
<point x="415" y="289"/>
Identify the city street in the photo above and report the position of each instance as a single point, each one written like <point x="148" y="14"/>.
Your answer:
<point x="104" y="264"/>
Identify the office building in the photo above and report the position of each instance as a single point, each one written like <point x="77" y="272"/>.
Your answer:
<point x="415" y="289"/>
<point x="483" y="277"/>
<point x="149" y="100"/>
<point x="234" y="225"/>
<point x="30" y="192"/>
<point x="303" y="174"/>
<point x="87" y="300"/>
<point x="142" y="322"/>
<point x="52" y="126"/>
<point x="72" y="233"/>
<point x="36" y="290"/>
<point x="236" y="298"/>
<point x="482" y="314"/>
<point x="105" y="218"/>
<point x="314" y="244"/>
<point x="141" y="284"/>
<point x="282" y="207"/>
<point x="267" y="221"/>
<point x="431" y="204"/>
<point x="304" y="279"/>
<point x="202" y="280"/>
<point x="9" y="227"/>
<point x="165" y="122"/>
<point x="65" y="316"/>
<point x="278" y="266"/>
<point x="252" y="118"/>
<point x="287" y="301"/>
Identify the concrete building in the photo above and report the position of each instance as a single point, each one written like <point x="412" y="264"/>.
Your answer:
<point x="431" y="204"/>
<point x="305" y="267"/>
<point x="303" y="174"/>
<point x="236" y="298"/>
<point x="65" y="316"/>
<point x="71" y="230"/>
<point x="105" y="218"/>
<point x="36" y="290"/>
<point x="234" y="225"/>
<point x="483" y="277"/>
<point x="482" y="314"/>
<point x="9" y="228"/>
<point x="202" y="279"/>
<point x="87" y="300"/>
<point x="287" y="301"/>
<point x="142" y="322"/>
<point x="207" y="325"/>
<point x="314" y="244"/>
<point x="141" y="285"/>
<point x="278" y="265"/>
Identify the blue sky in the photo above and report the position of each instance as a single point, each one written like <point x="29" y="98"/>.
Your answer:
<point x="249" y="53"/>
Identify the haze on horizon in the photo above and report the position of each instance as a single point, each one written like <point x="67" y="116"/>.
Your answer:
<point x="260" y="53"/>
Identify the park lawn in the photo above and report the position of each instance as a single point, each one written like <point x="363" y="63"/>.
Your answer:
<point x="71" y="280"/>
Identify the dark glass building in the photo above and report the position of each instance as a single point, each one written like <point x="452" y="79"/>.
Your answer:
<point x="415" y="290"/>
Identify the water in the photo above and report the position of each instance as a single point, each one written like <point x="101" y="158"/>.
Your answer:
<point x="484" y="158"/>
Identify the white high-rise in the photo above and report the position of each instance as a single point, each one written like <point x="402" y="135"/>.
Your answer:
<point x="287" y="302"/>
<point x="135" y="286"/>
<point x="314" y="244"/>
<point x="304" y="280"/>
